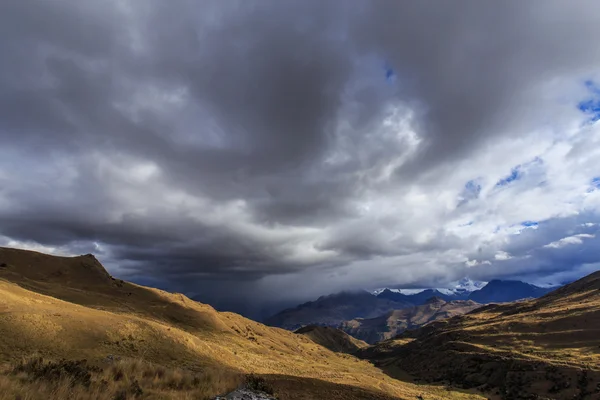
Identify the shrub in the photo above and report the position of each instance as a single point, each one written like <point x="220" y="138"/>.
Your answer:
<point x="77" y="372"/>
<point x="259" y="384"/>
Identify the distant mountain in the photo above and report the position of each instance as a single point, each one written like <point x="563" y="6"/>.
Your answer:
<point x="334" y="309"/>
<point x="332" y="338"/>
<point x="420" y="297"/>
<point x="467" y="285"/>
<point x="459" y="290"/>
<point x="499" y="291"/>
<point x="397" y="321"/>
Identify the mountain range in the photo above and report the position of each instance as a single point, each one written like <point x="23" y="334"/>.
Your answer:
<point x="458" y="288"/>
<point x="336" y="309"/>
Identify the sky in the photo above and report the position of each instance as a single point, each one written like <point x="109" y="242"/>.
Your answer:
<point x="261" y="152"/>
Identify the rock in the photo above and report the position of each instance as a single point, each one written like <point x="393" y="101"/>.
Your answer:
<point x="111" y="358"/>
<point x="246" y="394"/>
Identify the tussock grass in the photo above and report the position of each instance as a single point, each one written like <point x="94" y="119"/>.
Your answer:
<point x="37" y="378"/>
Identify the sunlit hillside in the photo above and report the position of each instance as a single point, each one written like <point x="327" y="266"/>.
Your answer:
<point x="56" y="307"/>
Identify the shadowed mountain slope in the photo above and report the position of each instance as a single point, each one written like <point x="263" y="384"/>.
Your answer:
<point x="391" y="324"/>
<point x="498" y="291"/>
<point x="334" y="309"/>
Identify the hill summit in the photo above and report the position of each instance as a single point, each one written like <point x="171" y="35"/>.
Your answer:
<point x="81" y="271"/>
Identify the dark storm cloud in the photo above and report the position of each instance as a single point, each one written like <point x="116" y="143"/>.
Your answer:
<point x="234" y="141"/>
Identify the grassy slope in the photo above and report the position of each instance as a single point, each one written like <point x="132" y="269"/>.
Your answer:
<point x="549" y="346"/>
<point x="70" y="307"/>
<point x="331" y="338"/>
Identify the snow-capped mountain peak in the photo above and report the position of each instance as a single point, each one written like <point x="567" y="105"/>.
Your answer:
<point x="461" y="287"/>
<point x="402" y="291"/>
<point x="468" y="285"/>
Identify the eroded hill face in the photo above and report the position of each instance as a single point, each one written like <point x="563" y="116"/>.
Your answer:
<point x="391" y="324"/>
<point x="548" y="348"/>
<point x="90" y="315"/>
<point x="332" y="338"/>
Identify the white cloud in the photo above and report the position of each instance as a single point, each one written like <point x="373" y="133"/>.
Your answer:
<point x="174" y="146"/>
<point x="502" y="255"/>
<point x="576" y="239"/>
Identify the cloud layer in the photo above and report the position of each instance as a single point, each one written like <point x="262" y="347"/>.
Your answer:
<point x="252" y="151"/>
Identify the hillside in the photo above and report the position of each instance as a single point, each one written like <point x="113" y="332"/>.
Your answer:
<point x="170" y="346"/>
<point x="547" y="348"/>
<point x="334" y="309"/>
<point x="331" y="338"/>
<point x="397" y="321"/>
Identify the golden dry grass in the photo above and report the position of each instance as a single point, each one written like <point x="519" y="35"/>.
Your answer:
<point x="98" y="317"/>
<point x="332" y="338"/>
<point x="35" y="378"/>
<point x="558" y="329"/>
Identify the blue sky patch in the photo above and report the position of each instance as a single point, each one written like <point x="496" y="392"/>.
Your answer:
<point x="470" y="192"/>
<point x="390" y="73"/>
<point x="529" y="224"/>
<point x="591" y="106"/>
<point x="515" y="174"/>
<point x="473" y="188"/>
<point x="595" y="184"/>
